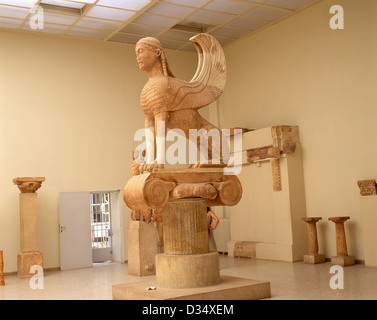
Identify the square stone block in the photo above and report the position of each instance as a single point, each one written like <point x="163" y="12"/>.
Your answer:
<point x="314" y="258"/>
<point x="343" y="261"/>
<point x="25" y="260"/>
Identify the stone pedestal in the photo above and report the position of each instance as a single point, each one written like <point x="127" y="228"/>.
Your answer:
<point x="2" y="282"/>
<point x="29" y="254"/>
<point x="142" y="248"/>
<point x="342" y="258"/>
<point x="187" y="269"/>
<point x="313" y="257"/>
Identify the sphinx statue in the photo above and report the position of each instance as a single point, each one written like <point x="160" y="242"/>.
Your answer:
<point x="177" y="199"/>
<point x="176" y="102"/>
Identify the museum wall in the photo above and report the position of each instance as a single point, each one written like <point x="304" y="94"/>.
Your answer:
<point x="69" y="109"/>
<point x="301" y="72"/>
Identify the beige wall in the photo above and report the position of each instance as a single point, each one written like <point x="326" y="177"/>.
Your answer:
<point x="301" y="72"/>
<point x="68" y="111"/>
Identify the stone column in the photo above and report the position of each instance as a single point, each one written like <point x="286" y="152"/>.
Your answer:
<point x="187" y="261"/>
<point x="29" y="254"/>
<point x="313" y="257"/>
<point x="2" y="282"/>
<point x="342" y="258"/>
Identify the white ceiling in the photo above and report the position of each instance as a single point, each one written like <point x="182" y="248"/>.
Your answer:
<point x="173" y="22"/>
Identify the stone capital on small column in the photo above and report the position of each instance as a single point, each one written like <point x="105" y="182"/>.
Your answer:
<point x="29" y="254"/>
<point x="342" y="258"/>
<point x="29" y="185"/>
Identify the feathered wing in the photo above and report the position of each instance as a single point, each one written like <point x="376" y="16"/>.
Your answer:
<point x="211" y="69"/>
<point x="209" y="80"/>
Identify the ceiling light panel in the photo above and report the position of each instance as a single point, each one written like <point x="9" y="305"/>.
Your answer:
<point x="190" y="3"/>
<point x="98" y="24"/>
<point x="265" y="14"/>
<point x="141" y="30"/>
<point x="84" y="1"/>
<point x="126" y="38"/>
<point x="124" y="4"/>
<point x="9" y="23"/>
<point x="110" y="13"/>
<point x="13" y="12"/>
<point x="209" y="17"/>
<point x="154" y="20"/>
<point x="171" y="10"/>
<point x="248" y="24"/>
<point x="63" y="3"/>
<point x="177" y="35"/>
<point x="168" y="44"/>
<point x="19" y="3"/>
<point x="228" y="6"/>
<point x="87" y="33"/>
<point x="47" y="28"/>
<point x="288" y="4"/>
<point x="59" y="18"/>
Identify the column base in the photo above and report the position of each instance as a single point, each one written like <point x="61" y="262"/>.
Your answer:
<point x="314" y="258"/>
<point x="343" y="261"/>
<point x="25" y="260"/>
<point x="187" y="270"/>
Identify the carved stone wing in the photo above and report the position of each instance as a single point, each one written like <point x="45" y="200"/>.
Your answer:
<point x="211" y="69"/>
<point x="209" y="80"/>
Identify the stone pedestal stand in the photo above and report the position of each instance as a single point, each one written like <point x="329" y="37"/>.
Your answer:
<point x="29" y="254"/>
<point x="342" y="258"/>
<point x="313" y="257"/>
<point x="142" y="248"/>
<point x="2" y="282"/>
<point x="187" y="269"/>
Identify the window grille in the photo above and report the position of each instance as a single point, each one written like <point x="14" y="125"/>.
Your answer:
<point x="100" y="209"/>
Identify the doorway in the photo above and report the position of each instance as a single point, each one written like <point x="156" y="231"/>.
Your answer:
<point x="91" y="228"/>
<point x="100" y="225"/>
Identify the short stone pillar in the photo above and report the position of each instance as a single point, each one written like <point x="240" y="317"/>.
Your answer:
<point x="2" y="282"/>
<point x="29" y="254"/>
<point x="142" y="248"/>
<point x="342" y="258"/>
<point x="313" y="257"/>
<point x="187" y="261"/>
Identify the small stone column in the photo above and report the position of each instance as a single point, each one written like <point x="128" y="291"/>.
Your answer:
<point x="342" y="258"/>
<point x="313" y="257"/>
<point x="29" y="254"/>
<point x="2" y="282"/>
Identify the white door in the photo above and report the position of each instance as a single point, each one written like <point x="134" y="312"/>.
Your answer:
<point x="75" y="242"/>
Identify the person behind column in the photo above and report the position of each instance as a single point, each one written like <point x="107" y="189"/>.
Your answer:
<point x="210" y="217"/>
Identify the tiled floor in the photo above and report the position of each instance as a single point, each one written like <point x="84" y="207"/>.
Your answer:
<point x="288" y="281"/>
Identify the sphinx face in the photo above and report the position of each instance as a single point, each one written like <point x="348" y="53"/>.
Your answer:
<point x="145" y="58"/>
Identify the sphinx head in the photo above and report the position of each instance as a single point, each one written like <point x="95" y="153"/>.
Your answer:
<point x="149" y="52"/>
